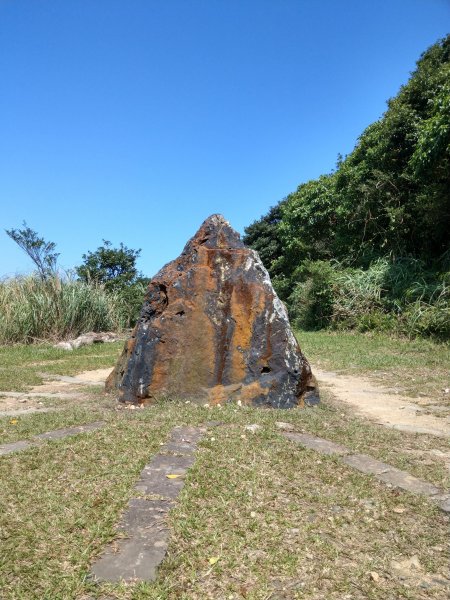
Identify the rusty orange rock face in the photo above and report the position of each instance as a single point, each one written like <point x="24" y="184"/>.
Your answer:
<point x="212" y="329"/>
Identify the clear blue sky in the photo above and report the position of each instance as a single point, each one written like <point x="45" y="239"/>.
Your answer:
<point x="135" y="120"/>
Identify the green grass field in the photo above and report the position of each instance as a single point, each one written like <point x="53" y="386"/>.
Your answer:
<point x="285" y="522"/>
<point x="419" y="366"/>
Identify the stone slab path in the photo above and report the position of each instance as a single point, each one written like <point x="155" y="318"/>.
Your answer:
<point x="56" y="434"/>
<point x="380" y="470"/>
<point x="386" y="408"/>
<point x="138" y="554"/>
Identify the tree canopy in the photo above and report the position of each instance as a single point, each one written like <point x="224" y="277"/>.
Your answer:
<point x="390" y="196"/>
<point x="115" y="268"/>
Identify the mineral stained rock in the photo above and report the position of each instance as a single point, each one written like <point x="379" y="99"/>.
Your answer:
<point x="212" y="329"/>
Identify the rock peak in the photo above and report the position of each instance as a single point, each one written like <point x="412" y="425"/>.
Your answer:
<point x="216" y="220"/>
<point x="215" y="232"/>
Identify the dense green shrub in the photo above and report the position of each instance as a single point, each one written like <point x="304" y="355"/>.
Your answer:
<point x="311" y="302"/>
<point x="402" y="297"/>
<point x="428" y="317"/>
<point x="131" y="298"/>
<point x="32" y="309"/>
<point x="114" y="269"/>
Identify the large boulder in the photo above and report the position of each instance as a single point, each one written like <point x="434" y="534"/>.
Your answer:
<point x="212" y="329"/>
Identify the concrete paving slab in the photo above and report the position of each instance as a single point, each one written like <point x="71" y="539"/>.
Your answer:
<point x="68" y="431"/>
<point x="405" y="481"/>
<point x="154" y="477"/>
<point x="444" y="502"/>
<point x="187" y="434"/>
<point x="183" y="440"/>
<point x="142" y="515"/>
<point x="166" y="463"/>
<point x="391" y="475"/>
<point x="137" y="555"/>
<point x="178" y="448"/>
<point x="366" y="464"/>
<point x="14" y="447"/>
<point x="316" y="443"/>
<point x="57" y="434"/>
<point x="136" y="558"/>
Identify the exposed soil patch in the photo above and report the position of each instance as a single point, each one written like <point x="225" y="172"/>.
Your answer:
<point x="387" y="408"/>
<point x="96" y="376"/>
<point x="55" y="388"/>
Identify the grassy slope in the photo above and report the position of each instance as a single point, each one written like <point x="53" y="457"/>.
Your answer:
<point x="276" y="515"/>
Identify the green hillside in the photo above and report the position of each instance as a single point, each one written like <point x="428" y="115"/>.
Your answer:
<point x="367" y="246"/>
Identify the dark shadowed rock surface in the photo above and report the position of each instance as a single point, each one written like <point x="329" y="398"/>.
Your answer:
<point x="212" y="329"/>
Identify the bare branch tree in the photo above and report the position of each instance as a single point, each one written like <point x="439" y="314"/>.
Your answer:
<point x="42" y="253"/>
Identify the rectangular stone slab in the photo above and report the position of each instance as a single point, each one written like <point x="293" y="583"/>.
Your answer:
<point x="68" y="431"/>
<point x="366" y="464"/>
<point x="138" y="556"/>
<point x="57" y="434"/>
<point x="182" y="441"/>
<point x="135" y="558"/>
<point x="186" y="434"/>
<point x="178" y="448"/>
<point x="144" y="515"/>
<point x="391" y="475"/>
<point x="154" y="477"/>
<point x="14" y="447"/>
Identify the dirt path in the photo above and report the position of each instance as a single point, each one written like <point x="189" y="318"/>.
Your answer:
<point x="380" y="404"/>
<point x="369" y="400"/>
<point x="55" y="387"/>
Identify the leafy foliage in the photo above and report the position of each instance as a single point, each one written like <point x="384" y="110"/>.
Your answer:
<point x="115" y="269"/>
<point x="112" y="267"/>
<point x="42" y="253"/>
<point x="264" y="236"/>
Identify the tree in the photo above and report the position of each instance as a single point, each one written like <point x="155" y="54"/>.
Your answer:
<point x="42" y="253"/>
<point x="308" y="221"/>
<point x="115" y="268"/>
<point x="388" y="197"/>
<point x="263" y="236"/>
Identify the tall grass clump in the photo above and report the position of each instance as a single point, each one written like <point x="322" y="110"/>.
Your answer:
<point x="33" y="310"/>
<point x="401" y="296"/>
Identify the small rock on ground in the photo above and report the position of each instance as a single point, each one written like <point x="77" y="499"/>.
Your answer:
<point x="86" y="339"/>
